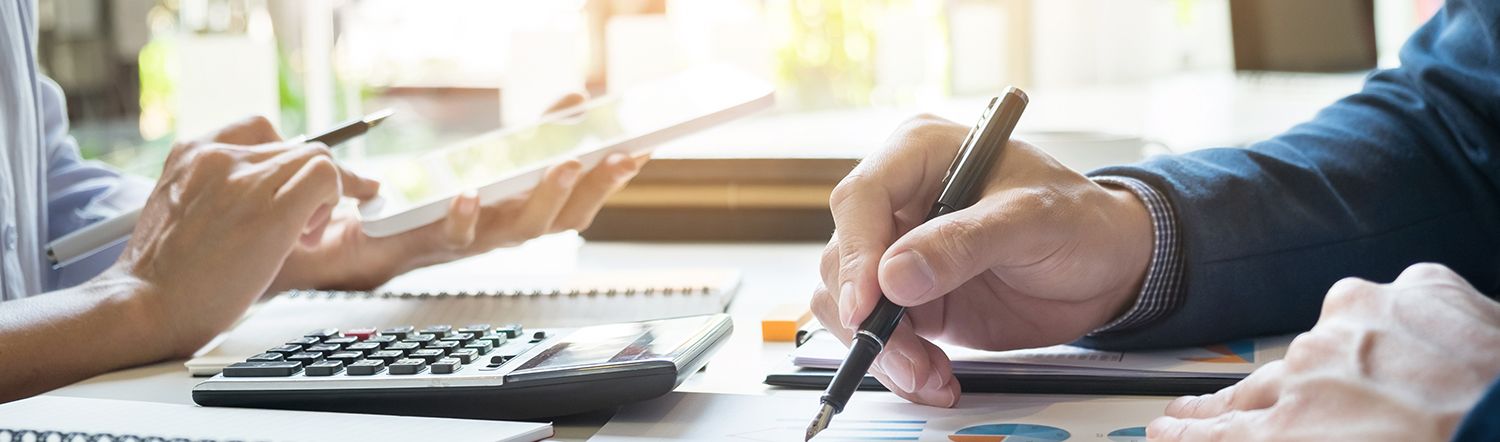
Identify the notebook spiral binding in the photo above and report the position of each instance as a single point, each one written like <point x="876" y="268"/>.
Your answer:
<point x="598" y="291"/>
<point x="9" y="435"/>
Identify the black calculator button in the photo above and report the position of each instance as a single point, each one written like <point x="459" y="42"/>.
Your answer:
<point x="460" y="338"/>
<point x="465" y="355"/>
<point x="382" y="339"/>
<point x="286" y="350"/>
<point x="403" y="347"/>
<point x="494" y="340"/>
<point x="306" y="357"/>
<point x="407" y="366"/>
<point x="426" y="355"/>
<point x="419" y="338"/>
<point x="398" y="332"/>
<point x="345" y="356"/>
<point x="481" y="346"/>
<point x="324" y="368"/>
<point x="341" y="340"/>
<point x="510" y="331"/>
<point x="445" y="366"/>
<point x="444" y="346"/>
<point x="324" y="348"/>
<point x="366" y="367"/>
<point x="363" y="348"/>
<point x="539" y="335"/>
<point x="266" y="357"/>
<point x="261" y="369"/>
<point x="323" y="333"/>
<point x="438" y="330"/>
<point x="386" y="356"/>
<point x="475" y="329"/>
<point x="497" y="360"/>
<point x="305" y="340"/>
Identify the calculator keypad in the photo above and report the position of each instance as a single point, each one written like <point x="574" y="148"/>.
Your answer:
<point x="402" y="350"/>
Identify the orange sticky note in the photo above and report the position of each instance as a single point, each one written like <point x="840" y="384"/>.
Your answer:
<point x="782" y="322"/>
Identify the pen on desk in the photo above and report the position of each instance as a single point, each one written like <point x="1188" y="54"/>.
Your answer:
<point x="104" y="234"/>
<point x="961" y="187"/>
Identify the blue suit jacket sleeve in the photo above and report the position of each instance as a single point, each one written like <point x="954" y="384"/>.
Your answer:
<point x="1404" y="171"/>
<point x="1483" y="421"/>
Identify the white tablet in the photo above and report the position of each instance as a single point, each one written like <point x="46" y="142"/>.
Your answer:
<point x="416" y="191"/>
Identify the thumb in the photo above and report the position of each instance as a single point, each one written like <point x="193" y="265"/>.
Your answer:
<point x="938" y="256"/>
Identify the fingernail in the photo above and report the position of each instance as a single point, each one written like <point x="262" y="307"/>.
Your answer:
<point x="902" y="371"/>
<point x="935" y="380"/>
<point x="908" y="275"/>
<point x="568" y="175"/>
<point x="847" y="304"/>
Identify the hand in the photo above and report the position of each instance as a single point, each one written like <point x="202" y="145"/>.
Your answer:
<point x="1044" y="256"/>
<point x="220" y="222"/>
<point x="1396" y="362"/>
<point x="566" y="199"/>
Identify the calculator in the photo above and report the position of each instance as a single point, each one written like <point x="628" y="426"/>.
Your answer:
<point x="483" y="371"/>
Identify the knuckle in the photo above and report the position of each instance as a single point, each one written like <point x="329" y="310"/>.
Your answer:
<point x="1348" y="293"/>
<point x="1428" y="272"/>
<point x="828" y="265"/>
<point x="258" y="121"/>
<point x="847" y="188"/>
<point x="957" y="238"/>
<point x="925" y="126"/>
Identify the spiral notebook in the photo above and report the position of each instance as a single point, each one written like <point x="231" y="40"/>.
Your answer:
<point x="573" y="300"/>
<point x="60" y="418"/>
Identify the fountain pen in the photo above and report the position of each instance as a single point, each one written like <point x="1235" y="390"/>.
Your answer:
<point x="966" y="176"/>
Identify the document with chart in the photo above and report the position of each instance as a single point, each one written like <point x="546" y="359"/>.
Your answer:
<point x="884" y="417"/>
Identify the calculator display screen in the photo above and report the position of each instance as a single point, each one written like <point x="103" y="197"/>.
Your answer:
<point x="619" y="343"/>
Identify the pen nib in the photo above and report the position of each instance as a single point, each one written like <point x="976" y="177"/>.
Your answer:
<point x="820" y="422"/>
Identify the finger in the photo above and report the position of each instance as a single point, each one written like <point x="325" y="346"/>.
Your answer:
<point x="547" y="199"/>
<point x="356" y="186"/>
<point x="313" y="233"/>
<point x="595" y="187"/>
<point x="864" y="205"/>
<point x="909" y="366"/>
<point x="462" y="221"/>
<point x="936" y="257"/>
<point x="246" y="132"/>
<point x="289" y="160"/>
<point x="1237" y="425"/>
<point x="566" y="103"/>
<point x="1258" y="391"/>
<point x="315" y="183"/>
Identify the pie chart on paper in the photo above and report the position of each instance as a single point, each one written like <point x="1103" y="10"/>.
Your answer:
<point x="1132" y="434"/>
<point x="1009" y="433"/>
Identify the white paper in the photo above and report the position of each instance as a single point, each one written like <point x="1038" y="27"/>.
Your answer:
<point x="172" y="421"/>
<point x="1232" y="360"/>
<point x="883" y="417"/>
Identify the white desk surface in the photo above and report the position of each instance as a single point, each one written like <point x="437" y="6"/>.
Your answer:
<point x="773" y="274"/>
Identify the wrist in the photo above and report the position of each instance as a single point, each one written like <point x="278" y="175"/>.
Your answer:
<point x="134" y="309"/>
<point x="1133" y="234"/>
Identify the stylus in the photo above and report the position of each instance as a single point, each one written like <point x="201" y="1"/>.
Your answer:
<point x="978" y="153"/>
<point x="98" y="236"/>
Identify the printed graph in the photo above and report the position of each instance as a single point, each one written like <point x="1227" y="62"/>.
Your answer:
<point x="1009" y="433"/>
<point x="1233" y="352"/>
<point x="1132" y="434"/>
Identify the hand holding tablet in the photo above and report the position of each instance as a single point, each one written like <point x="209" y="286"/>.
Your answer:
<point x="419" y="191"/>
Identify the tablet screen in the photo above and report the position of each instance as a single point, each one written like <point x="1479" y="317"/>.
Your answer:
<point x="631" y="121"/>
